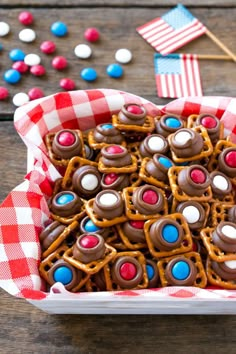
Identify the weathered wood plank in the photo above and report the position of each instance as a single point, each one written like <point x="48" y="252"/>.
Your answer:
<point x="218" y="76"/>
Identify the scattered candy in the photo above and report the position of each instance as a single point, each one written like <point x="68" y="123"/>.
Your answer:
<point x="115" y="71"/>
<point x="48" y="47"/>
<point x="16" y="54"/>
<point x="12" y="76"/>
<point x="35" y="93"/>
<point x="26" y="18"/>
<point x="32" y="59"/>
<point x="20" y="98"/>
<point x="59" y="29"/>
<point x="88" y="74"/>
<point x="67" y="84"/>
<point x="37" y="70"/>
<point x="59" y="63"/>
<point x="91" y="34"/>
<point x="4" y="93"/>
<point x="20" y="66"/>
<point x="4" y="29"/>
<point x="83" y="51"/>
<point x="27" y="35"/>
<point x="123" y="56"/>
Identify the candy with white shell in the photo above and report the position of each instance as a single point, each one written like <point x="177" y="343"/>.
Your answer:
<point x="32" y="59"/>
<point x="224" y="236"/>
<point x="4" y="29"/>
<point x="194" y="214"/>
<point x="27" y="35"/>
<point x="153" y="144"/>
<point x="108" y="204"/>
<point x="86" y="181"/>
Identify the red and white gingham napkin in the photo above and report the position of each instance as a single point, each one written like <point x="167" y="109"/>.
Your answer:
<point x="24" y="212"/>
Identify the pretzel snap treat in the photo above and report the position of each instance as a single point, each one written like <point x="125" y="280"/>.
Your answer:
<point x="221" y="187"/>
<point x="133" y="117"/>
<point x="190" y="183"/>
<point x="152" y="273"/>
<point x="117" y="159"/>
<point x="86" y="181"/>
<point x="63" y="145"/>
<point x="115" y="181"/>
<point x="188" y="145"/>
<point x="144" y="202"/>
<point x="221" y="274"/>
<point x="90" y="253"/>
<point x="168" y="235"/>
<point x="168" y="124"/>
<point x="153" y="144"/>
<point x="220" y="242"/>
<point x="103" y="135"/>
<point x="127" y="270"/>
<point x="132" y="234"/>
<point x="182" y="270"/>
<point x="87" y="226"/>
<point x="210" y="122"/>
<point x="195" y="213"/>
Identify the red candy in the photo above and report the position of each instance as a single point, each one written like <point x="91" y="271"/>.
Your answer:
<point x="37" y="70"/>
<point x="48" y="47"/>
<point x="91" y="34"/>
<point x="59" y="63"/>
<point x="20" y="66"/>
<point x="150" y="197"/>
<point x="128" y="271"/>
<point x="66" y="139"/>
<point x="208" y="122"/>
<point x="110" y="178"/>
<point x="89" y="241"/>
<point x="26" y="18"/>
<point x="4" y="93"/>
<point x="198" y="176"/>
<point x="35" y="93"/>
<point x="230" y="159"/>
<point x="134" y="109"/>
<point x="67" y="84"/>
<point x="137" y="224"/>
<point x="114" y="149"/>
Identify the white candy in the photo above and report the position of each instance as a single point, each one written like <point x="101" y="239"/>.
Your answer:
<point x="27" y="35"/>
<point x="220" y="182"/>
<point x="123" y="56"/>
<point x="230" y="264"/>
<point x="229" y="231"/>
<point x="108" y="199"/>
<point x="156" y="143"/>
<point x="191" y="214"/>
<point x="83" y="51"/>
<point x="182" y="137"/>
<point x="20" y="98"/>
<point x="89" y="182"/>
<point x="32" y="59"/>
<point x="4" y="29"/>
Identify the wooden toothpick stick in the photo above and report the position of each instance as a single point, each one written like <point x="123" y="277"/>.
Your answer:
<point x="221" y="45"/>
<point x="213" y="57"/>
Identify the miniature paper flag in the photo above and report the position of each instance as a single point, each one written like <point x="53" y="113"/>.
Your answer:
<point x="172" y="30"/>
<point x="177" y="75"/>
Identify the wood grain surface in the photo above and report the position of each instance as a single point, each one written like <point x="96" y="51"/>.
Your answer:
<point x="25" y="329"/>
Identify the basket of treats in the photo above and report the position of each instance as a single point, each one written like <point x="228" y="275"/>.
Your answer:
<point x="127" y="207"/>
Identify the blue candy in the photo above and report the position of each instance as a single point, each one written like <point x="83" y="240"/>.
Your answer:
<point x="150" y="271"/>
<point x="114" y="70"/>
<point x="12" y="76"/>
<point x="88" y="74"/>
<point x="16" y="55"/>
<point x="65" y="198"/>
<point x="180" y="270"/>
<point x="165" y="162"/>
<point x="91" y="227"/>
<point x="63" y="275"/>
<point x="172" y="122"/>
<point x="59" y="29"/>
<point x="107" y="126"/>
<point x="170" y="233"/>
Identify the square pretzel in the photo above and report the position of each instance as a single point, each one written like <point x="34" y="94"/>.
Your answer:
<point x="215" y="279"/>
<point x="215" y="253"/>
<point x="133" y="214"/>
<point x="146" y="177"/>
<point x="98" y="146"/>
<point x="130" y="245"/>
<point x="219" y="212"/>
<point x="56" y="160"/>
<point x="178" y="194"/>
<point x="91" y="267"/>
<point x="147" y="127"/>
<point x="186" y="244"/>
<point x="201" y="278"/>
<point x="135" y="254"/>
<point x="192" y="122"/>
<point x="206" y="151"/>
<point x="124" y="169"/>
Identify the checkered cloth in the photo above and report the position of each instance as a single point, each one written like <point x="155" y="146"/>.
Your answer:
<point x="24" y="213"/>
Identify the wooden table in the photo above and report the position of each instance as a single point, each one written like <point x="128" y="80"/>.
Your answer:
<point x="23" y="328"/>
